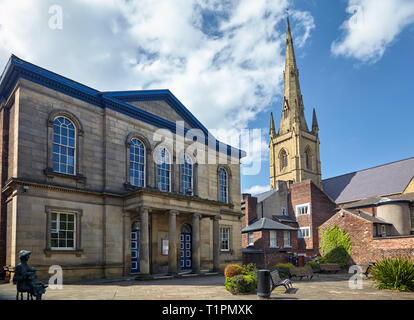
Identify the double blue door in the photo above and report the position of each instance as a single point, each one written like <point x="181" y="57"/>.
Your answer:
<point x="185" y="250"/>
<point x="135" y="238"/>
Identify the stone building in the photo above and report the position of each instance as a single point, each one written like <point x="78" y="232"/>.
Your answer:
<point x="294" y="149"/>
<point x="111" y="183"/>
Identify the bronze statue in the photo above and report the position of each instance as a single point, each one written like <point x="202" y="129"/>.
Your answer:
<point x="25" y="279"/>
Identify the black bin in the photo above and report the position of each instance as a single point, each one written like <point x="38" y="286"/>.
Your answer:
<point x="263" y="284"/>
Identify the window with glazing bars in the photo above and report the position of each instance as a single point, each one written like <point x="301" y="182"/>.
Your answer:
<point x="137" y="163"/>
<point x="223" y="185"/>
<point x="187" y="175"/>
<point x="64" y="146"/>
<point x="164" y="170"/>
<point x="62" y="231"/>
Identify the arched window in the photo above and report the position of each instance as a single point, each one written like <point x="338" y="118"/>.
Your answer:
<point x="64" y="146"/>
<point x="308" y="159"/>
<point x="187" y="175"/>
<point x="283" y="159"/>
<point x="164" y="170"/>
<point x="137" y="163"/>
<point x="223" y="185"/>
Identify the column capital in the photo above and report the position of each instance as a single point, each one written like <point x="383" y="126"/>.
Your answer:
<point x="197" y="215"/>
<point x="173" y="212"/>
<point x="216" y="217"/>
<point x="143" y="209"/>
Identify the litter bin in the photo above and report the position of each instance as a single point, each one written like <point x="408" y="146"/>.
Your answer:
<point x="263" y="284"/>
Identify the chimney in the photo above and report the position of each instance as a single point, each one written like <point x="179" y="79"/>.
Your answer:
<point x="245" y="195"/>
<point x="251" y="209"/>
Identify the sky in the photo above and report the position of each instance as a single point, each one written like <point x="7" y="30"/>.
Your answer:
<point x="224" y="60"/>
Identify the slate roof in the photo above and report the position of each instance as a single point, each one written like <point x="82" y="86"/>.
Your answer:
<point x="388" y="179"/>
<point x="266" y="224"/>
<point x="368" y="217"/>
<point x="264" y="195"/>
<point x="284" y="218"/>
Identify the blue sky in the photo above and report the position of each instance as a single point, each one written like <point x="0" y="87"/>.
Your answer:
<point x="224" y="60"/>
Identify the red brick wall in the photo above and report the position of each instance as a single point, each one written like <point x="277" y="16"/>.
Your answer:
<point x="251" y="209"/>
<point x="270" y="256"/>
<point x="364" y="248"/>
<point x="321" y="209"/>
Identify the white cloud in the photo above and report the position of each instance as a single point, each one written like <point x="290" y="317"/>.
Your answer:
<point x="257" y="189"/>
<point x="221" y="58"/>
<point x="372" y="28"/>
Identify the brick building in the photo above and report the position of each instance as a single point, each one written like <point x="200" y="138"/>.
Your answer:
<point x="90" y="183"/>
<point x="374" y="205"/>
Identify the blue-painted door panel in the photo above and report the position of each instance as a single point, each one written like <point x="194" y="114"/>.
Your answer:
<point x="135" y="238"/>
<point x="185" y="250"/>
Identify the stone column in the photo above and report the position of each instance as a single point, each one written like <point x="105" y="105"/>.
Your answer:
<point x="216" y="243"/>
<point x="196" y="243"/>
<point x="172" y="242"/>
<point x="144" y="241"/>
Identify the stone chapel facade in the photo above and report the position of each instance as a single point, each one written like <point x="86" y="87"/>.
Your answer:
<point x="80" y="186"/>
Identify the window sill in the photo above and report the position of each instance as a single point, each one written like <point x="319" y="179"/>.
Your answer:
<point x="273" y="247"/>
<point x="77" y="252"/>
<point x="51" y="174"/>
<point x="226" y="251"/>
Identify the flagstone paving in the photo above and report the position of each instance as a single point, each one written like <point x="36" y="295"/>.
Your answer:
<point x="325" y="287"/>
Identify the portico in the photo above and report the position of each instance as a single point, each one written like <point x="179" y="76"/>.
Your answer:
<point x="176" y="233"/>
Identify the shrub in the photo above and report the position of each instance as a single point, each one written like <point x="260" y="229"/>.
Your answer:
<point x="232" y="270"/>
<point x="283" y="269"/>
<point x="249" y="269"/>
<point x="335" y="245"/>
<point x="241" y="284"/>
<point x="394" y="274"/>
<point x="315" y="265"/>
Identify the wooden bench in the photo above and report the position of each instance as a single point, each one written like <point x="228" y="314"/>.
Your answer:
<point x="301" y="272"/>
<point x="277" y="281"/>
<point x="330" y="267"/>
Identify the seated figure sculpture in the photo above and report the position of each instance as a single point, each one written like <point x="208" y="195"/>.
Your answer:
<point x="25" y="279"/>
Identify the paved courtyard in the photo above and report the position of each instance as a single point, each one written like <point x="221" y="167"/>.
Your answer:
<point x="324" y="287"/>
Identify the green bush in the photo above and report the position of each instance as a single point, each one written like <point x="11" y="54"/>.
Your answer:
<point x="249" y="269"/>
<point x="315" y="265"/>
<point x="394" y="274"/>
<point x="232" y="270"/>
<point x="283" y="269"/>
<point x="335" y="245"/>
<point x="241" y="284"/>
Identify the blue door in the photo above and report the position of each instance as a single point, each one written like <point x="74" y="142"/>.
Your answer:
<point x="186" y="251"/>
<point x="135" y="250"/>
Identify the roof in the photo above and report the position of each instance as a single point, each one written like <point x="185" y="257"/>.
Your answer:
<point x="266" y="224"/>
<point x="17" y="68"/>
<point x="284" y="218"/>
<point x="384" y="180"/>
<point x="264" y="195"/>
<point x="368" y="217"/>
<point x="378" y="201"/>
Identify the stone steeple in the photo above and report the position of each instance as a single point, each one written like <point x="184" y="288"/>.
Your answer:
<point x="294" y="149"/>
<point x="293" y="108"/>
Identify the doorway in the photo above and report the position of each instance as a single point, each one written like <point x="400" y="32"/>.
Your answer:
<point x="185" y="245"/>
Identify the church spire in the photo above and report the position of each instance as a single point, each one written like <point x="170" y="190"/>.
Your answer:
<point x="272" y="131"/>
<point x="315" y="127"/>
<point x="293" y="107"/>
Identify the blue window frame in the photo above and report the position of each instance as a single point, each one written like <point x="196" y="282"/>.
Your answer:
<point x="64" y="146"/>
<point x="164" y="170"/>
<point x="223" y="185"/>
<point x="137" y="163"/>
<point x="186" y="175"/>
